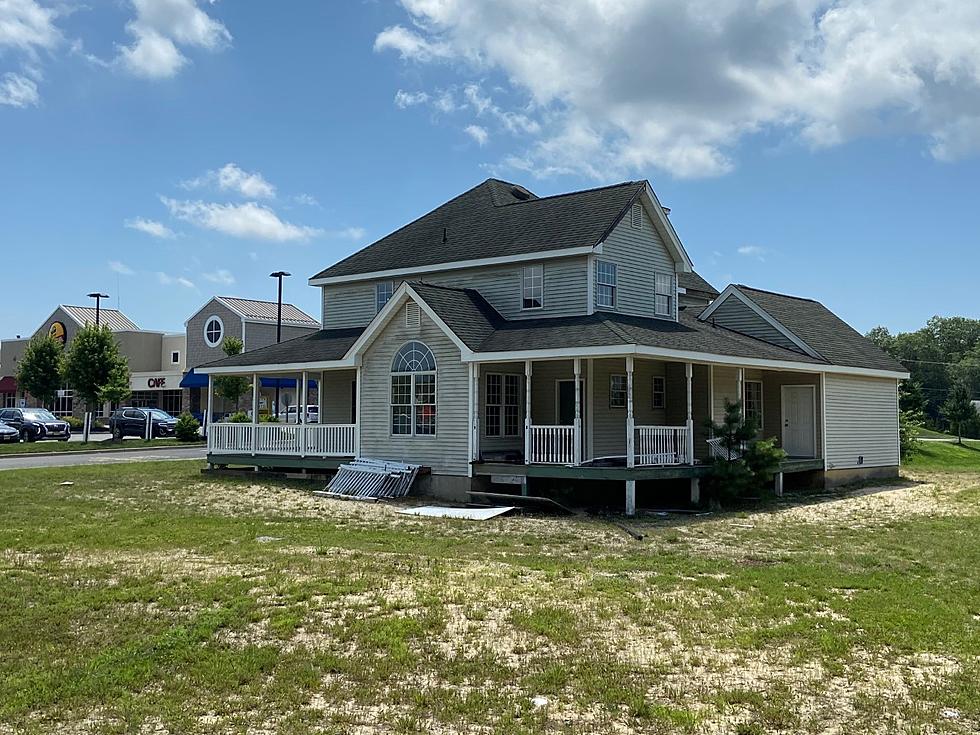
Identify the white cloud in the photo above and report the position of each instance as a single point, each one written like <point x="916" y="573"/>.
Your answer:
<point x="221" y="276"/>
<point x="119" y="267"/>
<point x="613" y="94"/>
<point x="349" y="233"/>
<point x="158" y="28"/>
<point x="27" y="26"/>
<point x="307" y="200"/>
<point x="753" y="251"/>
<point x="405" y="99"/>
<point x="232" y="178"/>
<point x="150" y="227"/>
<point x="18" y="91"/>
<point x="168" y="280"/>
<point x="477" y="133"/>
<point x="248" y="220"/>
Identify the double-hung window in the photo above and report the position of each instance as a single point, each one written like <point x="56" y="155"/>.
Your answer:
<point x="752" y="403"/>
<point x="617" y="391"/>
<point x="502" y="405"/>
<point x="382" y="292"/>
<point x="413" y="391"/>
<point x="532" y="286"/>
<point x="605" y="280"/>
<point x="659" y="391"/>
<point x="664" y="294"/>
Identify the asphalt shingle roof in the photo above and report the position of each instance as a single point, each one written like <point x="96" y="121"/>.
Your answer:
<point x="464" y="311"/>
<point x="112" y="318"/>
<point x="822" y="330"/>
<point x="320" y="346"/>
<point x="495" y="219"/>
<point x="694" y="282"/>
<point x="267" y="311"/>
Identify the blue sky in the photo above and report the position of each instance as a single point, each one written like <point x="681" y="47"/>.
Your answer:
<point x="166" y="151"/>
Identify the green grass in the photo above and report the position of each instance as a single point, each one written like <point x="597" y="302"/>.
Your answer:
<point x="146" y="597"/>
<point x="925" y="433"/>
<point x="943" y="457"/>
<point x="97" y="446"/>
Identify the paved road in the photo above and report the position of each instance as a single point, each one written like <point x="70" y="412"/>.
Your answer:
<point x="73" y="459"/>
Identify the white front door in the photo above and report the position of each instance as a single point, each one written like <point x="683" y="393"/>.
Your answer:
<point x="799" y="420"/>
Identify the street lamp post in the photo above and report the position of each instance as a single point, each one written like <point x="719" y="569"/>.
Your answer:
<point x="98" y="303"/>
<point x="280" y="275"/>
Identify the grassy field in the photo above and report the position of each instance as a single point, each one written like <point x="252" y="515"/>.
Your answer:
<point x="98" y="446"/>
<point x="151" y="599"/>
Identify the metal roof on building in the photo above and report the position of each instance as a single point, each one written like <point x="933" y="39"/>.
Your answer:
<point x="112" y="318"/>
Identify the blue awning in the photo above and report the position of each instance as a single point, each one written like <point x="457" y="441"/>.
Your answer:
<point x="283" y="383"/>
<point x="193" y="380"/>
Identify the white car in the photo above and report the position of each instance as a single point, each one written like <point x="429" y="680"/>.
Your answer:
<point x="292" y="413"/>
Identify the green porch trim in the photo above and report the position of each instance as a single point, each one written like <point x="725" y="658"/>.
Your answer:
<point x="675" y="472"/>
<point x="275" y="460"/>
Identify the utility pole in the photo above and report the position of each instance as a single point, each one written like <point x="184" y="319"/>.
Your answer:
<point x="98" y="302"/>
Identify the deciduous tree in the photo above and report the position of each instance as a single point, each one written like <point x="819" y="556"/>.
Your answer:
<point x="40" y="371"/>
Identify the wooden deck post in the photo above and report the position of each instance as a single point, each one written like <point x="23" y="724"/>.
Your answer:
<point x="695" y="490"/>
<point x="577" y="449"/>
<point x="779" y="484"/>
<point x="527" y="411"/>
<point x="630" y="423"/>
<point x="689" y="373"/>
<point x="631" y="497"/>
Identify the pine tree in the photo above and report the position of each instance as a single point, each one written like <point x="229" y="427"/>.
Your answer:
<point x="958" y="408"/>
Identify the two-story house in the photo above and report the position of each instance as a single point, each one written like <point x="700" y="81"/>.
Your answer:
<point x="509" y="337"/>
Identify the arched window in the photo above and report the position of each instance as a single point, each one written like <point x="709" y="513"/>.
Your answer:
<point x="214" y="330"/>
<point x="413" y="391"/>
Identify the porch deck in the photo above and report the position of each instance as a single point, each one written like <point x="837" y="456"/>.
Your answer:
<point x="668" y="472"/>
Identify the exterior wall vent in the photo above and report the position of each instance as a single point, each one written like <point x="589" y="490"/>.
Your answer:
<point x="413" y="315"/>
<point x="636" y="216"/>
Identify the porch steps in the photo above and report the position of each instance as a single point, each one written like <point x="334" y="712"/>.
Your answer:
<point x="371" y="479"/>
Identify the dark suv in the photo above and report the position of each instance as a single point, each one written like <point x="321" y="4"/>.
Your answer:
<point x="36" y="423"/>
<point x="132" y="422"/>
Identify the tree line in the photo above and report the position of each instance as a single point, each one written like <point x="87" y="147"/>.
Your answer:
<point x="943" y="359"/>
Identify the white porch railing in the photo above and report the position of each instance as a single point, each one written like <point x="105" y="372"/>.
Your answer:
<point x="661" y="445"/>
<point x="552" y="445"/>
<point x="293" y="440"/>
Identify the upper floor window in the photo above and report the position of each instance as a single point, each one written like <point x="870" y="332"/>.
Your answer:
<point x="413" y="391"/>
<point x="532" y="287"/>
<point x="214" y="330"/>
<point x="605" y="279"/>
<point x="382" y="293"/>
<point x="664" y="294"/>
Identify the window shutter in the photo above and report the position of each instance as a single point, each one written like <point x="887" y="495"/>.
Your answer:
<point x="636" y="216"/>
<point x="413" y="315"/>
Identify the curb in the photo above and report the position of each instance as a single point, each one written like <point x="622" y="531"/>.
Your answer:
<point x="69" y="452"/>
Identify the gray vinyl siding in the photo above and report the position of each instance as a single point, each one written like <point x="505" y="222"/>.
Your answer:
<point x="735" y="315"/>
<point x="198" y="351"/>
<point x="544" y="395"/>
<point x="336" y="386"/>
<point x="862" y="421"/>
<point x="502" y="443"/>
<point x="695" y="302"/>
<point x="565" y="291"/>
<point x="725" y="388"/>
<point x="701" y="399"/>
<point x="446" y="451"/>
<point x="638" y="254"/>
<point x="262" y="335"/>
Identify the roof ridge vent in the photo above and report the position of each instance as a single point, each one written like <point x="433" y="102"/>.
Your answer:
<point x="519" y="192"/>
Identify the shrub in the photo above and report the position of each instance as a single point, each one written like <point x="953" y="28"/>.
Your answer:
<point x="269" y="419"/>
<point x="239" y="417"/>
<point x="753" y="462"/>
<point x="75" y="423"/>
<point x="908" y="433"/>
<point x="187" y="428"/>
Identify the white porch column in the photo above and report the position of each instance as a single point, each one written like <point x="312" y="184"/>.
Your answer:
<point x="357" y="413"/>
<point x="210" y="412"/>
<point x="577" y="437"/>
<point x="741" y="391"/>
<point x="630" y="424"/>
<point x="527" y="411"/>
<point x="255" y="411"/>
<point x="319" y="399"/>
<point x="301" y="412"/>
<point x="474" y="412"/>
<point x="689" y="373"/>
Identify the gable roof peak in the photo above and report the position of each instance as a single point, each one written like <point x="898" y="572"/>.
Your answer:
<point x="743" y="287"/>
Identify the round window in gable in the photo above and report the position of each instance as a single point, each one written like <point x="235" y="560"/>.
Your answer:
<point x="214" y="330"/>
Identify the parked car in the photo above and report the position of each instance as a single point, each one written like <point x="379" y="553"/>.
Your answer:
<point x="33" y="424"/>
<point x="291" y="414"/>
<point x="132" y="422"/>
<point x="8" y="433"/>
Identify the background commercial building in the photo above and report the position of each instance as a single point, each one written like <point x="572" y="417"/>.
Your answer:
<point x="156" y="360"/>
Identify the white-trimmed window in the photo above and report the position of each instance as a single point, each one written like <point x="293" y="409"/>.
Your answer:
<point x="502" y="415"/>
<point x="413" y="391"/>
<point x="382" y="293"/>
<point x="605" y="279"/>
<point x="174" y="357"/>
<point x="617" y="391"/>
<point x="664" y="289"/>
<point x="532" y="286"/>
<point x="752" y="402"/>
<point x="659" y="391"/>
<point x="214" y="331"/>
<point x="64" y="402"/>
